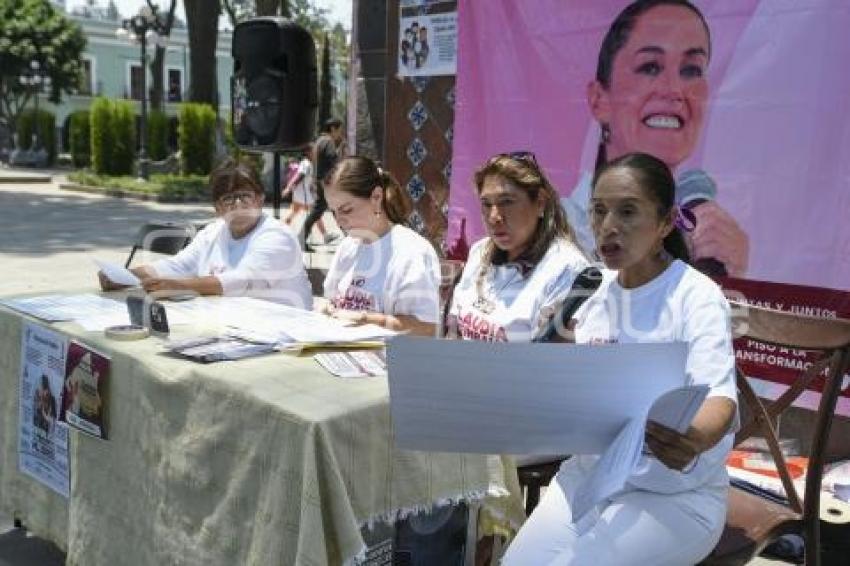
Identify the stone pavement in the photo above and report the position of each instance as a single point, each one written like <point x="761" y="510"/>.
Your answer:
<point x="47" y="241"/>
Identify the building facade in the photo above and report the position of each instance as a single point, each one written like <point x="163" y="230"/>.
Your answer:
<point x="112" y="68"/>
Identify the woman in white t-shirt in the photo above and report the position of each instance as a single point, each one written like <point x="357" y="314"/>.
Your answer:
<point x="383" y="272"/>
<point x="516" y="276"/>
<point x="244" y="252"/>
<point x="672" y="509"/>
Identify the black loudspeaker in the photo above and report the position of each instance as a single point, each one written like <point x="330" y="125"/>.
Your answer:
<point x="274" y="89"/>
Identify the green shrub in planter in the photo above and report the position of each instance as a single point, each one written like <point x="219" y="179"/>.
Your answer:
<point x="26" y="127"/>
<point x="80" y="138"/>
<point x="197" y="138"/>
<point x="124" y="132"/>
<point x="158" y="135"/>
<point x="101" y="136"/>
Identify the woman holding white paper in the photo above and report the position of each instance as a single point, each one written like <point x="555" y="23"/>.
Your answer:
<point x="672" y="509"/>
<point x="514" y="277"/>
<point x="383" y="272"/>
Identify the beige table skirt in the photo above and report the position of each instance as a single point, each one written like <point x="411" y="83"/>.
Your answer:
<point x="263" y="461"/>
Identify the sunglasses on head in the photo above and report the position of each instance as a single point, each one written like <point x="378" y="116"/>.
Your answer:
<point x="526" y="156"/>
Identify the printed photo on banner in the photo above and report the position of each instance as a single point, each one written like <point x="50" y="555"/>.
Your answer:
<point x="43" y="438"/>
<point x="757" y="152"/>
<point x="84" y="396"/>
<point x="427" y="42"/>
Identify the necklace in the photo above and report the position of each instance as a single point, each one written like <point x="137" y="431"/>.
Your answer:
<point x="487" y="305"/>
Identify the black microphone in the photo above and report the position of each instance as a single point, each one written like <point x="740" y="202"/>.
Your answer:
<point x="585" y="284"/>
<point x="693" y="188"/>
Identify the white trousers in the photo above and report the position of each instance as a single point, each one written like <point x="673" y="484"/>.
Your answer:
<point x="633" y="528"/>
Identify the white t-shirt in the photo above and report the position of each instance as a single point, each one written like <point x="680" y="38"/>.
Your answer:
<point x="397" y="274"/>
<point x="680" y="305"/>
<point x="266" y="263"/>
<point x="302" y="192"/>
<point x="577" y="207"/>
<point x="513" y="306"/>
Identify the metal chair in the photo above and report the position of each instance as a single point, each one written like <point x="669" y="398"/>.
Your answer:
<point x="162" y="237"/>
<point x="753" y="522"/>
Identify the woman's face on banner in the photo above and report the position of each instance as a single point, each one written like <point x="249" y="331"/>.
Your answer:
<point x="658" y="88"/>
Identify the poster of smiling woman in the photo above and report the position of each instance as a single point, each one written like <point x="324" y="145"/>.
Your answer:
<point x="745" y="100"/>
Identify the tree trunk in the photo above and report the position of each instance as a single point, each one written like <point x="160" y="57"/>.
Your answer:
<point x="157" y="92"/>
<point x="267" y="7"/>
<point x="326" y="90"/>
<point x="202" y="21"/>
<point x="157" y="89"/>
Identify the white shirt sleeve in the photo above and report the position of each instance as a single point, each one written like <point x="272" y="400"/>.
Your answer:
<point x="186" y="263"/>
<point x="707" y="330"/>
<point x="418" y="290"/>
<point x="272" y="262"/>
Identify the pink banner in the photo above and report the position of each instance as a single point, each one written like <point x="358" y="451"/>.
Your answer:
<point x="774" y="137"/>
<point x="769" y="128"/>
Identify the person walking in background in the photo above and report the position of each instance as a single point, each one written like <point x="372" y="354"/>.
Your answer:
<point x="302" y="185"/>
<point x="328" y="148"/>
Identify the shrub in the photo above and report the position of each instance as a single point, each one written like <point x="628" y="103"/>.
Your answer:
<point x="158" y="135"/>
<point x="113" y="136"/>
<point x="101" y="136"/>
<point x="26" y="127"/>
<point x="80" y="138"/>
<point x="197" y="138"/>
<point x="124" y="142"/>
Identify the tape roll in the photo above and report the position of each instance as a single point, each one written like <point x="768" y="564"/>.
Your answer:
<point x="127" y="332"/>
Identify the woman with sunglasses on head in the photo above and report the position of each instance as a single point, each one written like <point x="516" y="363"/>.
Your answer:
<point x="525" y="266"/>
<point x="672" y="509"/>
<point x="244" y="252"/>
<point x="383" y="272"/>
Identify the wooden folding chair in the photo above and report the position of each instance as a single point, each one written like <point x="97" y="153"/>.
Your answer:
<point x="753" y="522"/>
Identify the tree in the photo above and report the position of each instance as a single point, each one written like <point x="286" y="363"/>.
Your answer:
<point x="326" y="92"/>
<point x="202" y="21"/>
<point x="238" y="10"/>
<point x="33" y="30"/>
<point x="157" y="65"/>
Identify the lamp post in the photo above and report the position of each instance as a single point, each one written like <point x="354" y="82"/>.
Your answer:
<point x="34" y="79"/>
<point x="144" y="27"/>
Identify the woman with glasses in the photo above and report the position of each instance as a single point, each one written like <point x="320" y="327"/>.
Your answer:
<point x="244" y="252"/>
<point x="383" y="272"/>
<point x="515" y="276"/>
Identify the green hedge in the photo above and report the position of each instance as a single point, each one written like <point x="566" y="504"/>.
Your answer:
<point x="101" y="136"/>
<point x="124" y="126"/>
<point x="197" y="138"/>
<point x="113" y="136"/>
<point x="167" y="187"/>
<point x="158" y="135"/>
<point x="46" y="131"/>
<point x="79" y="138"/>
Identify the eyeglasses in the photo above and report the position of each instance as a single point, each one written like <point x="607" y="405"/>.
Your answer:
<point x="243" y="197"/>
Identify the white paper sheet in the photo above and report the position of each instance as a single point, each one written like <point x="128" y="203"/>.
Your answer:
<point x="117" y="273"/>
<point x="468" y="396"/>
